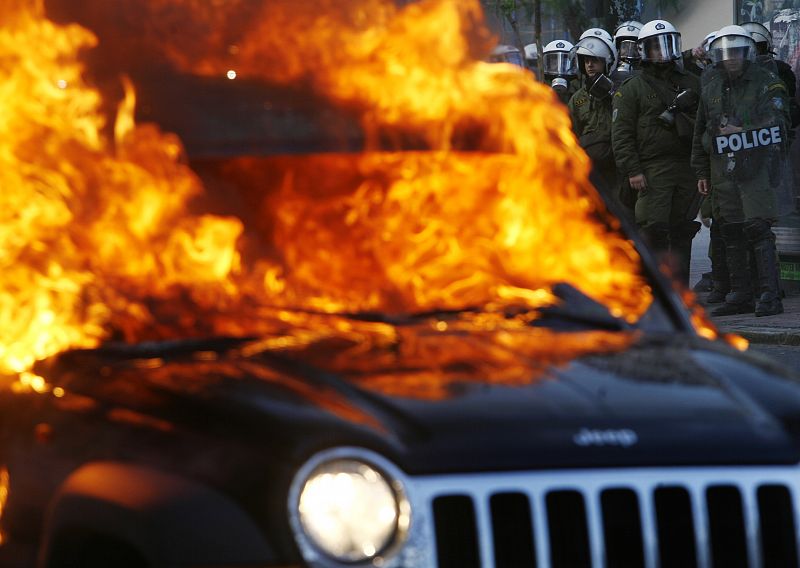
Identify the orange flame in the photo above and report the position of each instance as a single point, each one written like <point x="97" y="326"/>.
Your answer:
<point x="99" y="240"/>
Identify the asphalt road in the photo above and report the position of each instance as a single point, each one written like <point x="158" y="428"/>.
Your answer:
<point x="787" y="355"/>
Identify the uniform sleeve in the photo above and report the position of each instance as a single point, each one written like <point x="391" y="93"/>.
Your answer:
<point x="577" y="123"/>
<point x="701" y="162"/>
<point x="690" y="63"/>
<point x="773" y="105"/>
<point x="624" y="119"/>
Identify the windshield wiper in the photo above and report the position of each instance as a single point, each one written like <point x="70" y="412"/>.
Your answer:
<point x="577" y="311"/>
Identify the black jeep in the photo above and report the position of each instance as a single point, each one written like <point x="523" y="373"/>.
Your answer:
<point x="423" y="440"/>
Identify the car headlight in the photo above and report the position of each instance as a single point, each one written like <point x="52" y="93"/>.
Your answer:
<point x="348" y="508"/>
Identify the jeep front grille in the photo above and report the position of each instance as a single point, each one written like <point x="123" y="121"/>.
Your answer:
<point x="638" y="518"/>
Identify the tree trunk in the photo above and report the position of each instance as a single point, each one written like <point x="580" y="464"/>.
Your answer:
<point x="512" y="21"/>
<point x="537" y="14"/>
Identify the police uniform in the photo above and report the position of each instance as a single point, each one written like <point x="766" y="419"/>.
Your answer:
<point x="738" y="166"/>
<point x="566" y="95"/>
<point x="643" y="144"/>
<point x="591" y="122"/>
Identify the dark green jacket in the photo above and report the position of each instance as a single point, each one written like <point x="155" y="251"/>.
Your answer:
<point x="591" y="122"/>
<point x="638" y="136"/>
<point x="755" y="100"/>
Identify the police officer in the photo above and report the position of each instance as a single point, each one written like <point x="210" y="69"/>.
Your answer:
<point x="625" y="38"/>
<point x="651" y="139"/>
<point x="764" y="55"/>
<point x="741" y="122"/>
<point x="559" y="70"/>
<point x="718" y="280"/>
<point x="590" y="106"/>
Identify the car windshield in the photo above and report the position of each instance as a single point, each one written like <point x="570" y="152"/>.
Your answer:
<point x="188" y="169"/>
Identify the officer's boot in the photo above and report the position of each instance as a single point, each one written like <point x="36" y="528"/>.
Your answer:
<point x="719" y="267"/>
<point x="740" y="298"/>
<point x="768" y="301"/>
<point x="681" y="247"/>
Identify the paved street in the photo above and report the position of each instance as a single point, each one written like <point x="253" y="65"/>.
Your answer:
<point x="787" y="355"/>
<point x="776" y="336"/>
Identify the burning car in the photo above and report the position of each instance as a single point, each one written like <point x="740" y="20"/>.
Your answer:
<point x="366" y="310"/>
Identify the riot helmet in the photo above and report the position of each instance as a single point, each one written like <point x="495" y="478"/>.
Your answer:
<point x="531" y="55"/>
<point x="592" y="46"/>
<point x="761" y="35"/>
<point x="659" y="42"/>
<point x="506" y="54"/>
<point x="706" y="43"/>
<point x="625" y="38"/>
<point x="598" y="84"/>
<point x="597" y="32"/>
<point x="605" y="37"/>
<point x="732" y="43"/>
<point x="557" y="59"/>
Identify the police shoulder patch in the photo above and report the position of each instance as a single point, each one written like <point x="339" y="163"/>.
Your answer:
<point x="777" y="102"/>
<point x="580" y="102"/>
<point x="778" y="85"/>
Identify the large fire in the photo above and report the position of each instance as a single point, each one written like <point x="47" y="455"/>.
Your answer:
<point x="101" y="239"/>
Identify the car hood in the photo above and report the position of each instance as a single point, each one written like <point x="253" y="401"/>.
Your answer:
<point x="644" y="401"/>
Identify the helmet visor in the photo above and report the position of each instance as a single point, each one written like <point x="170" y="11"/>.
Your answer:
<point x="661" y="48"/>
<point x="732" y="48"/>
<point x="595" y="47"/>
<point x="512" y="57"/>
<point x="515" y="57"/>
<point x="559" y="63"/>
<point x="628" y="50"/>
